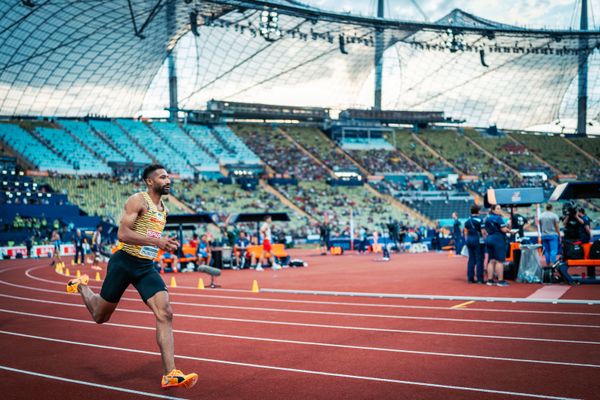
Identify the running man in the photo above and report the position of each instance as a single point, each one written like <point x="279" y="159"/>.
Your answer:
<point x="140" y="237"/>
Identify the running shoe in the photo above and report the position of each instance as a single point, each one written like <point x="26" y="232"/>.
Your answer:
<point x="176" y="378"/>
<point x="73" y="284"/>
<point x="490" y="283"/>
<point x="502" y="283"/>
<point x="259" y="268"/>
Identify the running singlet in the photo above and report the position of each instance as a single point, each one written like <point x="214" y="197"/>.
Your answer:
<point x="150" y="224"/>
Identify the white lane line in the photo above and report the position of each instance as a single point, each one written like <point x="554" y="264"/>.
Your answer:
<point x="97" y="385"/>
<point x="409" y="296"/>
<point x="303" y="343"/>
<point x="172" y="293"/>
<point x="341" y="327"/>
<point x="345" y="314"/>
<point x="296" y="370"/>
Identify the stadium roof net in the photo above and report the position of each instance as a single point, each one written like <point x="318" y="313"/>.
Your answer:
<point x="76" y="58"/>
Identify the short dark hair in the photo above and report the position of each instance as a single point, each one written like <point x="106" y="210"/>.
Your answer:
<point x="582" y="210"/>
<point x="475" y="209"/>
<point x="548" y="206"/>
<point x="150" y="169"/>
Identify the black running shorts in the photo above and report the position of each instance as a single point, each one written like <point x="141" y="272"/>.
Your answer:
<point x="125" y="269"/>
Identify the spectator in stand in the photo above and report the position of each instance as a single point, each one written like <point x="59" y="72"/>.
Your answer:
<point x="79" y="253"/>
<point x="457" y="233"/>
<point x="475" y="245"/>
<point x="496" y="229"/>
<point x="550" y="230"/>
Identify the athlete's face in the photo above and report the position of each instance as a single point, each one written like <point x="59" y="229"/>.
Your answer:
<point x="160" y="181"/>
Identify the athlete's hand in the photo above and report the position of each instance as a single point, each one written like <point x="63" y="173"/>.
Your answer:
<point x="168" y="244"/>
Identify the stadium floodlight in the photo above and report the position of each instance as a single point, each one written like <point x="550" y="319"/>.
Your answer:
<point x="269" y="25"/>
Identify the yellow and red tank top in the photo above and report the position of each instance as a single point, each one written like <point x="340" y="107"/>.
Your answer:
<point x="149" y="224"/>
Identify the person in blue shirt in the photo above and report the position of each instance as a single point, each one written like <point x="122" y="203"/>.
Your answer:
<point x="586" y="231"/>
<point x="457" y="234"/>
<point x="495" y="242"/>
<point x="475" y="245"/>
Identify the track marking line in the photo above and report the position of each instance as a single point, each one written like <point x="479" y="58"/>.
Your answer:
<point x="172" y="293"/>
<point x="345" y="314"/>
<point x="341" y="327"/>
<point x="461" y="305"/>
<point x="97" y="385"/>
<point x="295" y="370"/>
<point x="304" y="343"/>
<point x="431" y="297"/>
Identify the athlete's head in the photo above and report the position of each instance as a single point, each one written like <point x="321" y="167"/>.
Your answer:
<point x="496" y="209"/>
<point x="157" y="179"/>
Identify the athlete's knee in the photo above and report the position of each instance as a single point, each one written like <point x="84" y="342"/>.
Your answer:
<point x="164" y="313"/>
<point x="101" y="317"/>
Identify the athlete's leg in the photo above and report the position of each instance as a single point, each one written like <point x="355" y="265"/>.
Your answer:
<point x="159" y="304"/>
<point x="99" y="309"/>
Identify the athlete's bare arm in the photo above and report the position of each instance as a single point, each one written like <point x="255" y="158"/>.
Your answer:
<point x="135" y="206"/>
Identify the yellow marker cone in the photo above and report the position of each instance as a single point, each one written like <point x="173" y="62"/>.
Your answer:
<point x="173" y="282"/>
<point x="67" y="272"/>
<point x="255" y="288"/>
<point x="97" y="276"/>
<point x="72" y="262"/>
<point x="78" y="274"/>
<point x="56" y="268"/>
<point x="200" y="284"/>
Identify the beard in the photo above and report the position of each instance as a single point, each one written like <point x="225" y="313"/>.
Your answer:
<point x="165" y="189"/>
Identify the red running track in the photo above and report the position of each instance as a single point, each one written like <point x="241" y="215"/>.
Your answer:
<point x="273" y="346"/>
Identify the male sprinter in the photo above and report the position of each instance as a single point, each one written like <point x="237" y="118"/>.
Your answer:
<point x="140" y="237"/>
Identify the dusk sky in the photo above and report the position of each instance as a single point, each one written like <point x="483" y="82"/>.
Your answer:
<point x="561" y="14"/>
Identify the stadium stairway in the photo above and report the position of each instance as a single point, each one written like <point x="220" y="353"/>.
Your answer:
<point x="390" y="199"/>
<point x="285" y="200"/>
<point x="436" y="154"/>
<point x="537" y="157"/>
<point x="305" y="150"/>
<point x="589" y="204"/>
<point x="180" y="204"/>
<point x="492" y="156"/>
<point x="582" y="151"/>
<point x="139" y="146"/>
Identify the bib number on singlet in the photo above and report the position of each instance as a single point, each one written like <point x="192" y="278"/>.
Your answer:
<point x="153" y="234"/>
<point x="149" y="251"/>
